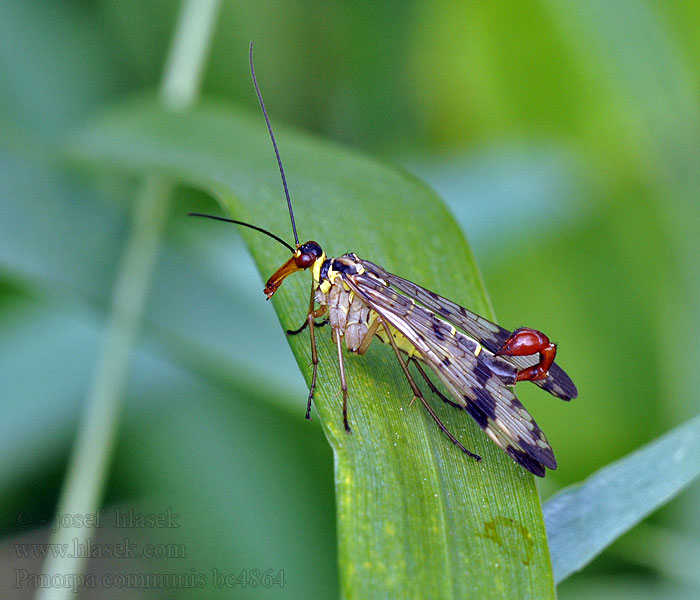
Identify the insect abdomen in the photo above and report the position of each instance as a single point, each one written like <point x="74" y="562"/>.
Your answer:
<point x="347" y="314"/>
<point x="357" y="324"/>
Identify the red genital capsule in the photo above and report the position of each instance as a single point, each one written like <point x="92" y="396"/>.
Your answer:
<point x="524" y="342"/>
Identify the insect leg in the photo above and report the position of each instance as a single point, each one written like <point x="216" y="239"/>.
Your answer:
<point x="419" y="395"/>
<point x="343" y="383"/>
<point x="367" y="340"/>
<point x="311" y="322"/>
<point x="431" y="385"/>
<point x="304" y="325"/>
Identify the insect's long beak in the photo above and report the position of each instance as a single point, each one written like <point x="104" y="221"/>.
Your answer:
<point x="278" y="276"/>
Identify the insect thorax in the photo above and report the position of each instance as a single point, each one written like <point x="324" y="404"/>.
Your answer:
<point x="348" y="314"/>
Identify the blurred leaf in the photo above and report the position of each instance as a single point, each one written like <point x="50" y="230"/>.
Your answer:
<point x="652" y="88"/>
<point x="38" y="244"/>
<point x="511" y="192"/>
<point x="44" y="357"/>
<point x="663" y="550"/>
<point x="582" y="520"/>
<point x="416" y="519"/>
<point x="54" y="65"/>
<point x="627" y="588"/>
<point x="142" y="31"/>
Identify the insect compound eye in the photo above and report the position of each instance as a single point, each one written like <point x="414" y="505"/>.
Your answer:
<point x="308" y="253"/>
<point x="305" y="260"/>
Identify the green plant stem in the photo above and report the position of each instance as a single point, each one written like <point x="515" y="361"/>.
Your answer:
<point x="89" y="464"/>
<point x="184" y="68"/>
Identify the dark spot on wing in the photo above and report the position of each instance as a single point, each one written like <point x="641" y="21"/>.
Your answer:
<point x="482" y="373"/>
<point x="525" y="460"/>
<point x="476" y="413"/>
<point x="559" y="384"/>
<point x="443" y="310"/>
<point x="438" y="330"/>
<point x="506" y="371"/>
<point x="542" y="455"/>
<point x="484" y="399"/>
<point x="467" y="343"/>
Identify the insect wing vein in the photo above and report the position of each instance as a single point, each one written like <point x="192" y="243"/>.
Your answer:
<point x="490" y="334"/>
<point x="470" y="373"/>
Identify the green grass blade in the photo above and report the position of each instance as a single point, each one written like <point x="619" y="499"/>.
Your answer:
<point x="584" y="519"/>
<point x="415" y="517"/>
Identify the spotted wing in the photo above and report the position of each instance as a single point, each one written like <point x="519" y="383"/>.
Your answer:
<point x="491" y="335"/>
<point x="476" y="378"/>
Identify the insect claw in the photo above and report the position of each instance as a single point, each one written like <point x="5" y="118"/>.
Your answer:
<point x="308" y="405"/>
<point x="413" y="400"/>
<point x="456" y="442"/>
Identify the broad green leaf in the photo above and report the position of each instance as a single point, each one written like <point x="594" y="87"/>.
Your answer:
<point x="584" y="519"/>
<point x="415" y="517"/>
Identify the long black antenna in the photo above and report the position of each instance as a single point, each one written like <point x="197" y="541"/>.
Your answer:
<point x="274" y="145"/>
<point x="260" y="229"/>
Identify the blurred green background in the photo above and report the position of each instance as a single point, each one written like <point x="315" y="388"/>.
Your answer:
<point x="565" y="138"/>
